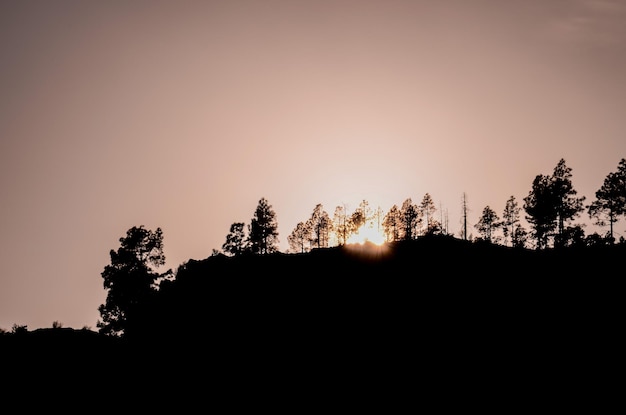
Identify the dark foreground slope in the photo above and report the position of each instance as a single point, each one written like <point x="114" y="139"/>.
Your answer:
<point x="377" y="294"/>
<point x="438" y="293"/>
<point x="437" y="310"/>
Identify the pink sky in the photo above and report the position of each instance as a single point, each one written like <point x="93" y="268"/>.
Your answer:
<point x="183" y="114"/>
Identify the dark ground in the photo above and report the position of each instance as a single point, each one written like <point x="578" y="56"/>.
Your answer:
<point x="441" y="319"/>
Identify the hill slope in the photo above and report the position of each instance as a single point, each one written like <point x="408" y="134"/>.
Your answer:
<point x="450" y="314"/>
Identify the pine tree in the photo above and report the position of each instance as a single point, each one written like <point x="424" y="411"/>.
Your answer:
<point x="568" y="205"/>
<point x="131" y="279"/>
<point x="610" y="201"/>
<point x="510" y="218"/>
<point x="263" y="229"/>
<point x="235" y="243"/>
<point x="488" y="223"/>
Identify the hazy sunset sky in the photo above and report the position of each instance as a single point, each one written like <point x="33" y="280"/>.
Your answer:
<point x="184" y="114"/>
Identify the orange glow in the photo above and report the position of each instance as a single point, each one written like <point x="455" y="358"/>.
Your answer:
<point x="367" y="234"/>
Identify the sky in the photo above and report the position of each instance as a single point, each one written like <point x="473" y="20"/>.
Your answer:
<point x="184" y="114"/>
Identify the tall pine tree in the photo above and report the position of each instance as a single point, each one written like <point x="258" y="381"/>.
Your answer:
<point x="263" y="229"/>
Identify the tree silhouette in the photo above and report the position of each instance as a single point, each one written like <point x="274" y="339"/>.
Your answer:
<point x="320" y="225"/>
<point x="377" y="219"/>
<point x="487" y="224"/>
<point x="610" y="201"/>
<point x="355" y="221"/>
<point x="340" y="224"/>
<point x="464" y="213"/>
<point x="428" y="209"/>
<point x="299" y="239"/>
<point x="131" y="279"/>
<point x="409" y="219"/>
<point x="358" y="218"/>
<point x="366" y="211"/>
<point x="263" y="229"/>
<point x="567" y="204"/>
<point x="444" y="219"/>
<point x="539" y="205"/>
<point x="519" y="237"/>
<point x="235" y="243"/>
<point x="551" y="204"/>
<point x="510" y="218"/>
<point x="392" y="224"/>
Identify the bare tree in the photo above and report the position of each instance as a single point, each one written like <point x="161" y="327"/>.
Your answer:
<point x="444" y="219"/>
<point x="464" y="213"/>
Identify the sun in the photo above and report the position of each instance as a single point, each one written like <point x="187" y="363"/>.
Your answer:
<point x="367" y="234"/>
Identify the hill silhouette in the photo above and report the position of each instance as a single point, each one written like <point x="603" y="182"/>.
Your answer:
<point x="367" y="288"/>
<point x="362" y="288"/>
<point x="437" y="294"/>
